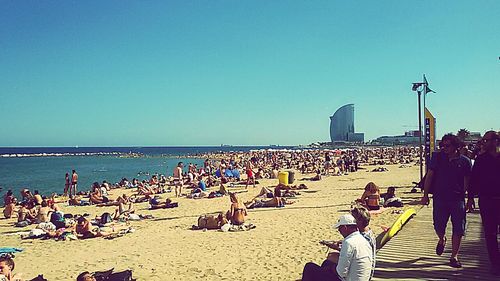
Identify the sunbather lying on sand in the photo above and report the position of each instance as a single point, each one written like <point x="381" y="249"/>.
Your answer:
<point x="123" y="199"/>
<point x="85" y="230"/>
<point x="317" y="177"/>
<point x="155" y="204"/>
<point x="123" y="211"/>
<point x="210" y="222"/>
<point x="266" y="203"/>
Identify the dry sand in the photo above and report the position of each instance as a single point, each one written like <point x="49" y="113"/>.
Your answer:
<point x="165" y="248"/>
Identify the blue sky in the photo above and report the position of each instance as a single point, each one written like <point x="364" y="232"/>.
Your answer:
<point x="112" y="73"/>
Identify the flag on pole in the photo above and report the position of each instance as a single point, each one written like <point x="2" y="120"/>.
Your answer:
<point x="426" y="86"/>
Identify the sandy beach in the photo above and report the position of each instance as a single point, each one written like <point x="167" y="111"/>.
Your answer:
<point x="165" y="248"/>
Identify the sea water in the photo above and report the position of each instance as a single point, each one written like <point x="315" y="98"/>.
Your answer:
<point x="47" y="174"/>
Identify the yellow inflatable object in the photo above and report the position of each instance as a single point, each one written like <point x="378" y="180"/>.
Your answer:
<point x="398" y="224"/>
<point x="283" y="178"/>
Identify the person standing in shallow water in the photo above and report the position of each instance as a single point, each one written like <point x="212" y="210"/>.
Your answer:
<point x="485" y="182"/>
<point x="74" y="183"/>
<point x="66" y="185"/>
<point x="449" y="174"/>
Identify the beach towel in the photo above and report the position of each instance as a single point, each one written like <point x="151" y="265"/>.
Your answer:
<point x="379" y="211"/>
<point x="243" y="227"/>
<point x="9" y="250"/>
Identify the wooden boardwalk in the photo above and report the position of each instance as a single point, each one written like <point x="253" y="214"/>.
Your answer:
<point x="410" y="255"/>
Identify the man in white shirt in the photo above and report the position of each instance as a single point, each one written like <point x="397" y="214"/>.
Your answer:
<point x="355" y="258"/>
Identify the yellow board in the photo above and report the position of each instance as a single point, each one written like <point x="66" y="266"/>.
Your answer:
<point x="398" y="224"/>
<point x="283" y="178"/>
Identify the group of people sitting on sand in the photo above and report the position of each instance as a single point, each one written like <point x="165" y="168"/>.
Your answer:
<point x="352" y="258"/>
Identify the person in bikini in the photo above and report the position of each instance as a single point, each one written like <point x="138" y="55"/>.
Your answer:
<point x="371" y="197"/>
<point x="44" y="212"/>
<point x="66" y="185"/>
<point x="250" y="175"/>
<point x="237" y="212"/>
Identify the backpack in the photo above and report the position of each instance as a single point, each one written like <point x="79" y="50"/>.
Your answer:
<point x="106" y="218"/>
<point x="121" y="276"/>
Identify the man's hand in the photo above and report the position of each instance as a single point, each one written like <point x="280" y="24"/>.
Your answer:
<point x="425" y="200"/>
<point x="330" y="244"/>
<point x="470" y="205"/>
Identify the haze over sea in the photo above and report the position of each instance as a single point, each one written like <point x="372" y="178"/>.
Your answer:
<point x="46" y="174"/>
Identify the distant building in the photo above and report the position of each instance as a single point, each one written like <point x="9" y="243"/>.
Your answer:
<point x="409" y="138"/>
<point x="342" y="125"/>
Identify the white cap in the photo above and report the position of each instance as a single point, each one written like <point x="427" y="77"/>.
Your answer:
<point x="346" y="219"/>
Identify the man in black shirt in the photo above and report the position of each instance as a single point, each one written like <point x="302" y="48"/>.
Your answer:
<point x="485" y="182"/>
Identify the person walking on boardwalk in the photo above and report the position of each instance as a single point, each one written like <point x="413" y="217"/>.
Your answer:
<point x="74" y="183"/>
<point x="448" y="177"/>
<point x="485" y="183"/>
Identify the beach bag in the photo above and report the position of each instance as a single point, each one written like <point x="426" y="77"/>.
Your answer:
<point x="57" y="219"/>
<point x="106" y="218"/>
<point x="109" y="275"/>
<point x="121" y="276"/>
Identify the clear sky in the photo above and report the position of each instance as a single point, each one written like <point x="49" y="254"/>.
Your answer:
<point x="119" y="73"/>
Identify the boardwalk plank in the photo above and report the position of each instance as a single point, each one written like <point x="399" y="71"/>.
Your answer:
<point x="410" y="254"/>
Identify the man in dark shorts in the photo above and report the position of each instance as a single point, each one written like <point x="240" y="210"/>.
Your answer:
<point x="448" y="175"/>
<point x="74" y="182"/>
<point x="485" y="182"/>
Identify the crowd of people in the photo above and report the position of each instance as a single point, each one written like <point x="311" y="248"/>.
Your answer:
<point x="450" y="175"/>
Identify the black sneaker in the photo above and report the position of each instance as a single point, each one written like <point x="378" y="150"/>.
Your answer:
<point x="440" y="247"/>
<point x="454" y="262"/>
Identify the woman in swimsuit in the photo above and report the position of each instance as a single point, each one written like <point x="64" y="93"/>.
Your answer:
<point x="237" y="212"/>
<point x="66" y="185"/>
<point x="371" y="197"/>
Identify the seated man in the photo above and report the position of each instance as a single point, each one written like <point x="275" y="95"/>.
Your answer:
<point x="44" y="211"/>
<point x="6" y="267"/>
<point x="96" y="196"/>
<point x="10" y="209"/>
<point x="355" y="259"/>
<point x="25" y="215"/>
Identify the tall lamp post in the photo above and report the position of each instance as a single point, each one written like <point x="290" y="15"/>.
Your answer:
<point x="419" y="87"/>
<point x="416" y="87"/>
